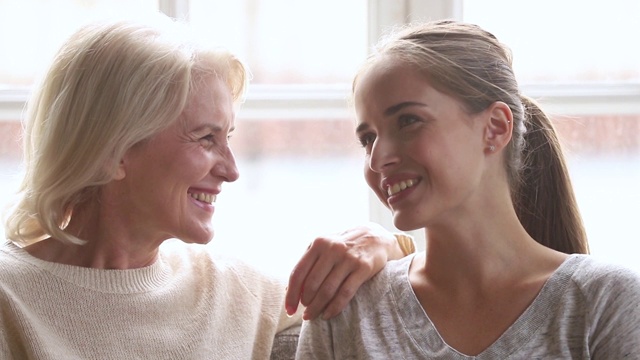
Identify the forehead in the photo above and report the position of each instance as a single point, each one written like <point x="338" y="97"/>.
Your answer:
<point x="388" y="71"/>
<point x="210" y="102"/>
<point x="389" y="81"/>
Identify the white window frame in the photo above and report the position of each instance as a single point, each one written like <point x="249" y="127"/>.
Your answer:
<point x="269" y="102"/>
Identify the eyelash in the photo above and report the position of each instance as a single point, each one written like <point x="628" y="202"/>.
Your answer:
<point x="366" y="140"/>
<point x="403" y="120"/>
<point x="406" y="120"/>
<point x="210" y="139"/>
<point x="207" y="140"/>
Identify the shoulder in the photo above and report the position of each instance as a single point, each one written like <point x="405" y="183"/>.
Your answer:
<point x="202" y="260"/>
<point x="239" y="282"/>
<point x="610" y="294"/>
<point x="602" y="286"/>
<point x="372" y="319"/>
<point x="10" y="265"/>
<point x="598" y="278"/>
<point x="376" y="297"/>
<point x="394" y="274"/>
<point x="15" y="262"/>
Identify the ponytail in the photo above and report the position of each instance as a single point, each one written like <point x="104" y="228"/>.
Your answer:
<point x="544" y="198"/>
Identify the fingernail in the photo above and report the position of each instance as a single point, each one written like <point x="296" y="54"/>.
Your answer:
<point x="290" y="310"/>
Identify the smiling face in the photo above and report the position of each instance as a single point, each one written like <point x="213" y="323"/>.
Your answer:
<point x="170" y="182"/>
<point x="424" y="152"/>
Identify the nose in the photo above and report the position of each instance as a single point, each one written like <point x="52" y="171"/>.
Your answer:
<point x="384" y="155"/>
<point x="226" y="168"/>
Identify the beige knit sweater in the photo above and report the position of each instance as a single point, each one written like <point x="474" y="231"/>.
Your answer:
<point x="190" y="304"/>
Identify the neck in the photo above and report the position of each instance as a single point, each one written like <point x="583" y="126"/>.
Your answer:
<point x="110" y="244"/>
<point x="481" y="253"/>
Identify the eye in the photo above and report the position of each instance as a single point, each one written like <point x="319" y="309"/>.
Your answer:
<point x="366" y="139"/>
<point x="207" y="140"/>
<point x="406" y="120"/>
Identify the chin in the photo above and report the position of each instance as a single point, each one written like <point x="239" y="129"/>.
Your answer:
<point x="202" y="238"/>
<point x="406" y="224"/>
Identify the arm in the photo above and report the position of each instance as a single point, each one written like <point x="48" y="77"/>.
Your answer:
<point x="333" y="268"/>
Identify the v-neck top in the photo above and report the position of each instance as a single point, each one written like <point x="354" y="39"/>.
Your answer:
<point x="587" y="309"/>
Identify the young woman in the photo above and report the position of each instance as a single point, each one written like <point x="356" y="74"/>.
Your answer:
<point x="453" y="147"/>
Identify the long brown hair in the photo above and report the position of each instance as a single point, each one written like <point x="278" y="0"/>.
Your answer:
<point x="469" y="63"/>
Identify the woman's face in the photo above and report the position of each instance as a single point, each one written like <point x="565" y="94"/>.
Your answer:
<point x="424" y="152"/>
<point x="172" y="180"/>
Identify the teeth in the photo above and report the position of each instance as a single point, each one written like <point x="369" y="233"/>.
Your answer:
<point x="397" y="187"/>
<point x="207" y="198"/>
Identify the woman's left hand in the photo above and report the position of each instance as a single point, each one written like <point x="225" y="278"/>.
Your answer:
<point x="333" y="268"/>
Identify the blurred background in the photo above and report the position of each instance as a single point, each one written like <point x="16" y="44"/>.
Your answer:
<point x="300" y="164"/>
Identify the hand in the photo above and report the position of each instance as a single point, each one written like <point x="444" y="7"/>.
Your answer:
<point x="334" y="267"/>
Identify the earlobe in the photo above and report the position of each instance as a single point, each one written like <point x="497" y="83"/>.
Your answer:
<point x="118" y="172"/>
<point x="499" y="126"/>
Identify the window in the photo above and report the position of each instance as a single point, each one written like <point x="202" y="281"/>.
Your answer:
<point x="565" y="42"/>
<point x="33" y="30"/>
<point x="300" y="166"/>
<point x="288" y="42"/>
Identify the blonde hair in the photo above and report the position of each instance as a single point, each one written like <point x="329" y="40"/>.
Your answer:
<point x="110" y="86"/>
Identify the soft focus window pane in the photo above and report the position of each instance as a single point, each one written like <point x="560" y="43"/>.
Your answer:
<point x="604" y="161"/>
<point x="288" y="42"/>
<point x="587" y="43"/>
<point x="32" y="30"/>
<point x="565" y="41"/>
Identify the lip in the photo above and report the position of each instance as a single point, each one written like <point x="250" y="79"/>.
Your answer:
<point x="203" y="205"/>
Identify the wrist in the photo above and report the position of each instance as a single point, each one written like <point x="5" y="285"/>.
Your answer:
<point x="406" y="243"/>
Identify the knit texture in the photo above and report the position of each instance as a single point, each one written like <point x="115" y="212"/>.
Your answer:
<point x="189" y="304"/>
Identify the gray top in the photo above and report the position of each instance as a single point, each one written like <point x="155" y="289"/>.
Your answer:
<point x="586" y="310"/>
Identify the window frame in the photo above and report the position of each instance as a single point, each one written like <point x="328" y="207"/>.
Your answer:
<point x="314" y="101"/>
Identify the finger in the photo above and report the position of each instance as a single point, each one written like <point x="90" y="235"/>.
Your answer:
<point x="326" y="291"/>
<point x="296" y="280"/>
<point x="345" y="293"/>
<point x="323" y="266"/>
<point x="329" y="288"/>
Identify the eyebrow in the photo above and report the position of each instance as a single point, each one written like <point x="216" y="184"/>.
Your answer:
<point x="392" y="110"/>
<point x="395" y="108"/>
<point x="212" y="128"/>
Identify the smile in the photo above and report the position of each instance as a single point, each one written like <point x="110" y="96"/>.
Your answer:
<point x="402" y="185"/>
<point x="206" y="198"/>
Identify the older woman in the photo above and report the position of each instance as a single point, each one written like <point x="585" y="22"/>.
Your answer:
<point x="126" y="146"/>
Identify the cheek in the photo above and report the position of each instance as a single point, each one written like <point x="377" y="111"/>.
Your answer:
<point x="373" y="180"/>
<point x="369" y="175"/>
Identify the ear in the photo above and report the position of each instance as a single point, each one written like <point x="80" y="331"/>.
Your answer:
<point x="498" y="127"/>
